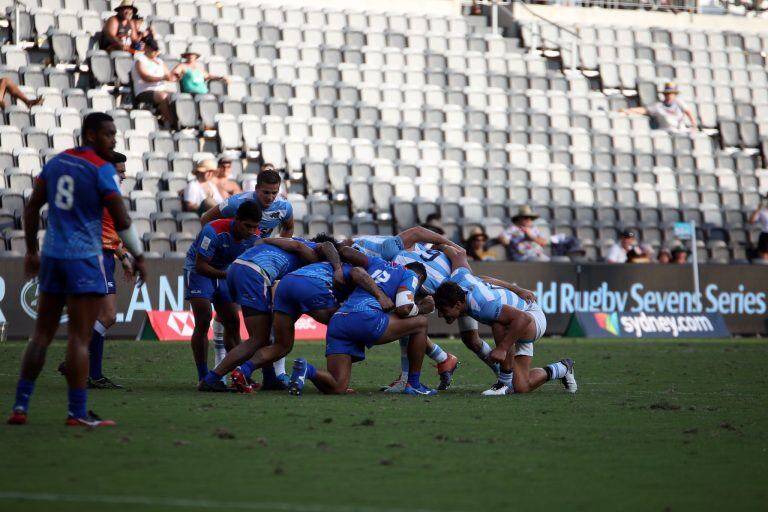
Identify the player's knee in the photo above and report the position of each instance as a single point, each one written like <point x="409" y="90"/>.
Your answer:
<point x="522" y="387"/>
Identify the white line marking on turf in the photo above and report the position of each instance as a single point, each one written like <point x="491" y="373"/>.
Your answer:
<point x="189" y="503"/>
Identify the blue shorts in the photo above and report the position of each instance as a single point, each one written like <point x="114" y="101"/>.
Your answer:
<point x="249" y="288"/>
<point x="109" y="271"/>
<point x="351" y="332"/>
<point x="201" y="287"/>
<point x="298" y="294"/>
<point x="73" y="277"/>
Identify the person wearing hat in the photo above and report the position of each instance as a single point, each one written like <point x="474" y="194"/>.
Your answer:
<point x="665" y="256"/>
<point x="120" y="31"/>
<point x="150" y="77"/>
<point x="621" y="250"/>
<point x="202" y="193"/>
<point x="226" y="185"/>
<point x="668" y="114"/>
<point x="475" y="245"/>
<point x="680" y="253"/>
<point x="192" y="75"/>
<point x="523" y="241"/>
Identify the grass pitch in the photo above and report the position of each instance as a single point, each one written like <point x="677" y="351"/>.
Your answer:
<point x="655" y="426"/>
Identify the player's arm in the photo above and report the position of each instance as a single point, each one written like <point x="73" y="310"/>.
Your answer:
<point x="286" y="228"/>
<point x="519" y="325"/>
<point x="125" y="262"/>
<point x="353" y="257"/>
<point x="211" y="215"/>
<point x="31" y="223"/>
<point x="127" y="233"/>
<point x="405" y="304"/>
<point x="458" y="258"/>
<point x="331" y="255"/>
<point x="364" y="280"/>
<point x="307" y="254"/>
<point x="204" y="268"/>
<point x="523" y="293"/>
<point x="418" y="234"/>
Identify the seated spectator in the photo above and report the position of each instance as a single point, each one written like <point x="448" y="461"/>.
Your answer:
<point x="760" y="216"/>
<point x="434" y="223"/>
<point x="121" y="31"/>
<point x="669" y="114"/>
<point x="192" y="75"/>
<point x="619" y="252"/>
<point x="226" y="185"/>
<point x="640" y="254"/>
<point x="680" y="253"/>
<point x="151" y="79"/>
<point x="9" y="86"/>
<point x="523" y="241"/>
<point x="202" y="194"/>
<point x="475" y="246"/>
<point x="570" y="246"/>
<point x="665" y="256"/>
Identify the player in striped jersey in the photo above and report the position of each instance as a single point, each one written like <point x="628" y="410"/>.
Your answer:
<point x="517" y="324"/>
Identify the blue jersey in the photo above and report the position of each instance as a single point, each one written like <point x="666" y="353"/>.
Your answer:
<point x="216" y="243"/>
<point x="76" y="183"/>
<point x="385" y="247"/>
<point x="436" y="262"/>
<point x="276" y="214"/>
<point x="273" y="260"/>
<point x="323" y="272"/>
<point x="485" y="301"/>
<point x="389" y="277"/>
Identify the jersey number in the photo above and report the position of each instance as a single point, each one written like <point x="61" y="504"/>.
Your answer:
<point x="433" y="254"/>
<point x="380" y="276"/>
<point x="65" y="193"/>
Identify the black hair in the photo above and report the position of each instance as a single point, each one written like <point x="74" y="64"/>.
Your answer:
<point x="118" y="158"/>
<point x="448" y="294"/>
<point x="419" y="268"/>
<point x="267" y="178"/>
<point x="433" y="216"/>
<point x="93" y="122"/>
<point x="250" y="211"/>
<point x="325" y="237"/>
<point x="435" y="229"/>
<point x="151" y="43"/>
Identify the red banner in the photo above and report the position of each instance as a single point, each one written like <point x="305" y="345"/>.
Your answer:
<point x="178" y="326"/>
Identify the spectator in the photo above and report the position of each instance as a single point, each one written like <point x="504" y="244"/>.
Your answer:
<point x="680" y="254"/>
<point x="226" y="185"/>
<point x="202" y="193"/>
<point x="151" y="79"/>
<point x="620" y="251"/>
<point x="9" y="86"/>
<point x="475" y="246"/>
<point x="640" y="254"/>
<point x="434" y="223"/>
<point x="665" y="256"/>
<point x="760" y="216"/>
<point x="121" y="31"/>
<point x="192" y="75"/>
<point x="523" y="241"/>
<point x="668" y="114"/>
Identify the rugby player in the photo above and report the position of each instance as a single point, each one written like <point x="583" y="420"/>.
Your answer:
<point x="517" y="324"/>
<point x="361" y="323"/>
<point x="217" y="245"/>
<point x="77" y="184"/>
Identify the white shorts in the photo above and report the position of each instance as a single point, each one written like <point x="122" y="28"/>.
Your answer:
<point x="467" y="323"/>
<point x="525" y="347"/>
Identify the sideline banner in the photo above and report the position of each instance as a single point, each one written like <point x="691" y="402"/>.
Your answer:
<point x="647" y="325"/>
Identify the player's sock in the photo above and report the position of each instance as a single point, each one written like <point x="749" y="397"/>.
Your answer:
<point x="24" y="389"/>
<point x="219" y="350"/>
<point x="247" y="369"/>
<point x="268" y="375"/>
<point x="96" y="351"/>
<point x="404" y="365"/>
<point x="437" y="354"/>
<point x="279" y="366"/>
<point x="311" y="371"/>
<point x="485" y="350"/>
<point x="556" y="370"/>
<point x="211" y="378"/>
<point x="414" y="379"/>
<point x="505" y="377"/>
<point x="202" y="370"/>
<point x="77" y="402"/>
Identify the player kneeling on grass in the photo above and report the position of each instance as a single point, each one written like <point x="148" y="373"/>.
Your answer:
<point x="516" y="325"/>
<point x="217" y="245"/>
<point x="315" y="290"/>
<point x="250" y="279"/>
<point x="362" y="322"/>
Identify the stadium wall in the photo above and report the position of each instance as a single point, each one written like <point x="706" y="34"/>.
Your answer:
<point x="738" y="292"/>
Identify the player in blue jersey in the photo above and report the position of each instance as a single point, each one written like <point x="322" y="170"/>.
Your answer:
<point x="517" y="324"/>
<point x="205" y="277"/>
<point x="76" y="184"/>
<point x="361" y="323"/>
<point x="316" y="290"/>
<point x="250" y="279"/>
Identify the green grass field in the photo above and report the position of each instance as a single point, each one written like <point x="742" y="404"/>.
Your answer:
<point x="655" y="426"/>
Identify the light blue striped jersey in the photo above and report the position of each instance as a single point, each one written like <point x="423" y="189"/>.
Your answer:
<point x="485" y="301"/>
<point x="436" y="262"/>
<point x="273" y="216"/>
<point x="273" y="260"/>
<point x="378" y="246"/>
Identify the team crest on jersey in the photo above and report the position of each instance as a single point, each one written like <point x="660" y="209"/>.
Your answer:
<point x="205" y="243"/>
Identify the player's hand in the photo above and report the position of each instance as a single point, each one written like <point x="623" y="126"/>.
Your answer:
<point x="338" y="279"/>
<point x="386" y="303"/>
<point x="128" y="271"/>
<point x="141" y="270"/>
<point x="497" y="355"/>
<point x="526" y="295"/>
<point x="427" y="305"/>
<point x="31" y="265"/>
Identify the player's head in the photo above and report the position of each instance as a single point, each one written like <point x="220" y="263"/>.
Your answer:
<point x="99" y="132"/>
<point x="118" y="160"/>
<point x="450" y="301"/>
<point x="247" y="220"/>
<point x="267" y="187"/>
<point x="325" y="237"/>
<point x="419" y="269"/>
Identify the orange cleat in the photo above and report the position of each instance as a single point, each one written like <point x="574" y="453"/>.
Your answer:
<point x="445" y="370"/>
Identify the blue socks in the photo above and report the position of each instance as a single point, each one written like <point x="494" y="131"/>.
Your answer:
<point x="96" y="351"/>
<point x="437" y="354"/>
<point x="77" y="401"/>
<point x="247" y="369"/>
<point x="210" y="378"/>
<point x="269" y="377"/>
<point x="24" y="389"/>
<point x="311" y="371"/>
<point x="202" y="370"/>
<point x="413" y="379"/>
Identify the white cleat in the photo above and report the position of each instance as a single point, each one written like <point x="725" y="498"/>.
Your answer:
<point x="498" y="389"/>
<point x="397" y="387"/>
<point x="569" y="381"/>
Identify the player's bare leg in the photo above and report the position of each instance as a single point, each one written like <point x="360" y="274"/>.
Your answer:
<point x="335" y="380"/>
<point x="227" y="313"/>
<point x="201" y="309"/>
<point x="48" y="316"/>
<point x="525" y="379"/>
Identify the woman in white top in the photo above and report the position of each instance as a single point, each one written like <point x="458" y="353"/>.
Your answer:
<point x="202" y="194"/>
<point x="150" y="78"/>
<point x="760" y="216"/>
